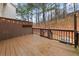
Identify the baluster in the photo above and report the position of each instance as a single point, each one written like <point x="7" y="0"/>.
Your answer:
<point x="57" y="35"/>
<point x="72" y="37"/>
<point x="52" y="34"/>
<point x="61" y="35"/>
<point x="69" y="37"/>
<point x="66" y="37"/>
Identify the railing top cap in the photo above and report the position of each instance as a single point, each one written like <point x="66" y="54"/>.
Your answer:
<point x="13" y="19"/>
<point x="55" y="29"/>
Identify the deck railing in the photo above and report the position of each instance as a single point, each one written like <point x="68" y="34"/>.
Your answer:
<point x="10" y="28"/>
<point x="65" y="36"/>
<point x="14" y="21"/>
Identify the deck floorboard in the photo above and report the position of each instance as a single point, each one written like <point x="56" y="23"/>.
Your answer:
<point x="34" y="45"/>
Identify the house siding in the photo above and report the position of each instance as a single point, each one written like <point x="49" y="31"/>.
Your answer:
<point x="8" y="10"/>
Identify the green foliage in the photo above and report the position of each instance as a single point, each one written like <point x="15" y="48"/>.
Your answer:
<point x="29" y="9"/>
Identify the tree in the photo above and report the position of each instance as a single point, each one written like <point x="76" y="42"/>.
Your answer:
<point x="21" y="11"/>
<point x="25" y="10"/>
<point x="64" y="10"/>
<point x="43" y="8"/>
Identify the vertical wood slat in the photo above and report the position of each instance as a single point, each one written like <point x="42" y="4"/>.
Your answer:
<point x="57" y="35"/>
<point x="72" y="37"/>
<point x="61" y="35"/>
<point x="52" y="34"/>
<point x="69" y="37"/>
<point x="66" y="36"/>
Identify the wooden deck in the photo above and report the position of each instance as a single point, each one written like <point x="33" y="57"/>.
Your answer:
<point x="34" y="45"/>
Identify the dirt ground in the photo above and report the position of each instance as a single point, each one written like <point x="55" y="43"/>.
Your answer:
<point x="34" y="45"/>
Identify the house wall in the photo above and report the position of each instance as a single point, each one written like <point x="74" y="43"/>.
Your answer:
<point x="1" y="9"/>
<point x="7" y="10"/>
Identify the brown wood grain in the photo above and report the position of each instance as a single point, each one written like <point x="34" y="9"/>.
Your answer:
<point x="34" y="45"/>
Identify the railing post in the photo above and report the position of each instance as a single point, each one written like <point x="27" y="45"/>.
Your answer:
<point x="49" y="34"/>
<point x="75" y="28"/>
<point x="76" y="39"/>
<point x="75" y="31"/>
<point x="40" y="32"/>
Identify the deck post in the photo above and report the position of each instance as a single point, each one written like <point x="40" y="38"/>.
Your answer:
<point x="75" y="28"/>
<point x="49" y="34"/>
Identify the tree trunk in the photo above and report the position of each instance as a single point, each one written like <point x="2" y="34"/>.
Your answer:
<point x="64" y="10"/>
<point x="51" y="14"/>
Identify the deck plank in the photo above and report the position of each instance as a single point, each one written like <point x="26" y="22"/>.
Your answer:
<point x="1" y="47"/>
<point x="34" y="45"/>
<point x="7" y="48"/>
<point x="3" y="53"/>
<point x="12" y="50"/>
